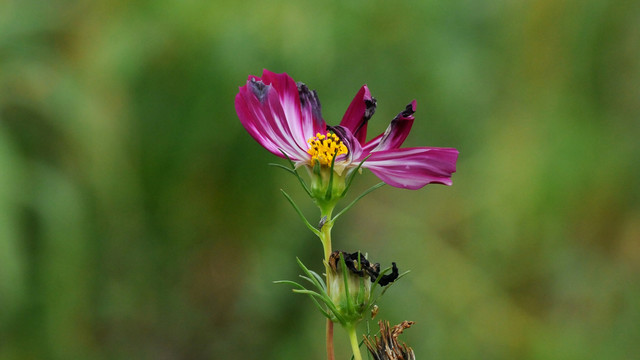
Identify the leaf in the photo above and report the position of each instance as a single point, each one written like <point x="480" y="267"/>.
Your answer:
<point x="324" y="312"/>
<point x="358" y="198"/>
<point x="352" y="175"/>
<point x="304" y="219"/>
<point x="294" y="171"/>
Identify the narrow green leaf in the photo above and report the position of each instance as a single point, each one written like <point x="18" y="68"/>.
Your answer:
<point x="353" y="174"/>
<point x="304" y="219"/>
<point x="357" y="199"/>
<point x="326" y="299"/>
<point x="384" y="289"/>
<point x="289" y="282"/>
<point x="327" y="302"/>
<point x="293" y="165"/>
<point x="294" y="172"/>
<point x="317" y="282"/>
<point x="380" y="275"/>
<point x="324" y="312"/>
<point x="313" y="296"/>
<point x="282" y="167"/>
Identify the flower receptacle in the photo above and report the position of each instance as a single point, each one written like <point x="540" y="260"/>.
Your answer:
<point x="327" y="186"/>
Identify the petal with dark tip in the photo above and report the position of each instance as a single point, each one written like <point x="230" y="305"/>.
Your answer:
<point x="261" y="112"/>
<point x="302" y="126"/>
<point x="311" y="111"/>
<point x="361" y="109"/>
<point x="413" y="168"/>
<point x="353" y="146"/>
<point x="398" y="129"/>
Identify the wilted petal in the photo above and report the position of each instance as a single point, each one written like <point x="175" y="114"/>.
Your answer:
<point x="397" y="131"/>
<point x="413" y="168"/>
<point x="312" y="122"/>
<point x="287" y="91"/>
<point x="353" y="146"/>
<point x="300" y="105"/>
<point x="283" y="115"/>
<point x="361" y="109"/>
<point x="371" y="144"/>
<point x="270" y="110"/>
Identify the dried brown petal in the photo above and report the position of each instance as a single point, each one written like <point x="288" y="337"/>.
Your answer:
<point x="387" y="347"/>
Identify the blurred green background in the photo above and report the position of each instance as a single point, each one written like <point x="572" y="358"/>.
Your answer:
<point x="138" y="219"/>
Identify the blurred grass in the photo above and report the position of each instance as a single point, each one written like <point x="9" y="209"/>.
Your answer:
<point x="139" y="220"/>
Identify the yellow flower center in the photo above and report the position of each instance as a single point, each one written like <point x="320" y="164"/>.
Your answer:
<point x="324" y="147"/>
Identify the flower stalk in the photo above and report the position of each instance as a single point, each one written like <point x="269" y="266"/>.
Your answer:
<point x="325" y="238"/>
<point x="355" y="345"/>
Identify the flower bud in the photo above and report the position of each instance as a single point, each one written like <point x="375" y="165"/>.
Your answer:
<point x="350" y="284"/>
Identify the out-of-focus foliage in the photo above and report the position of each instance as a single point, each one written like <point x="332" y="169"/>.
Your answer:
<point x="138" y="220"/>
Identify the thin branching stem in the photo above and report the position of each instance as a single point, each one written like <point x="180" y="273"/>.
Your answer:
<point x="357" y="199"/>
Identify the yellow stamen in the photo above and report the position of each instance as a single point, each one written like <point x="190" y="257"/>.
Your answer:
<point x="324" y="147"/>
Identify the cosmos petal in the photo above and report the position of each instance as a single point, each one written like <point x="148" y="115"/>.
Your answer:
<point x="397" y="131"/>
<point x="312" y="122"/>
<point x="270" y="109"/>
<point x="361" y="109"/>
<point x="353" y="146"/>
<point x="413" y="168"/>
<point x="261" y="113"/>
<point x="282" y="116"/>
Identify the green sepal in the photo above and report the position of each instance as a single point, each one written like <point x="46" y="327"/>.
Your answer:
<point x="318" y="279"/>
<point x="345" y="278"/>
<point x="329" y="193"/>
<point x="360" y="298"/>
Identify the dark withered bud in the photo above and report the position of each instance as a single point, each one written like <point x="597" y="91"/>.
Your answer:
<point x="358" y="264"/>
<point x="350" y="283"/>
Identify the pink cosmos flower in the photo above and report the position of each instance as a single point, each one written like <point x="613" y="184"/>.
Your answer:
<point x="284" y="117"/>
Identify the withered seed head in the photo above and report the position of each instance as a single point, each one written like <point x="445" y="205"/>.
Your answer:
<point x="387" y="347"/>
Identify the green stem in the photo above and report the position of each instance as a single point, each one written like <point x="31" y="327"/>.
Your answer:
<point x="325" y="237"/>
<point x="353" y="338"/>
